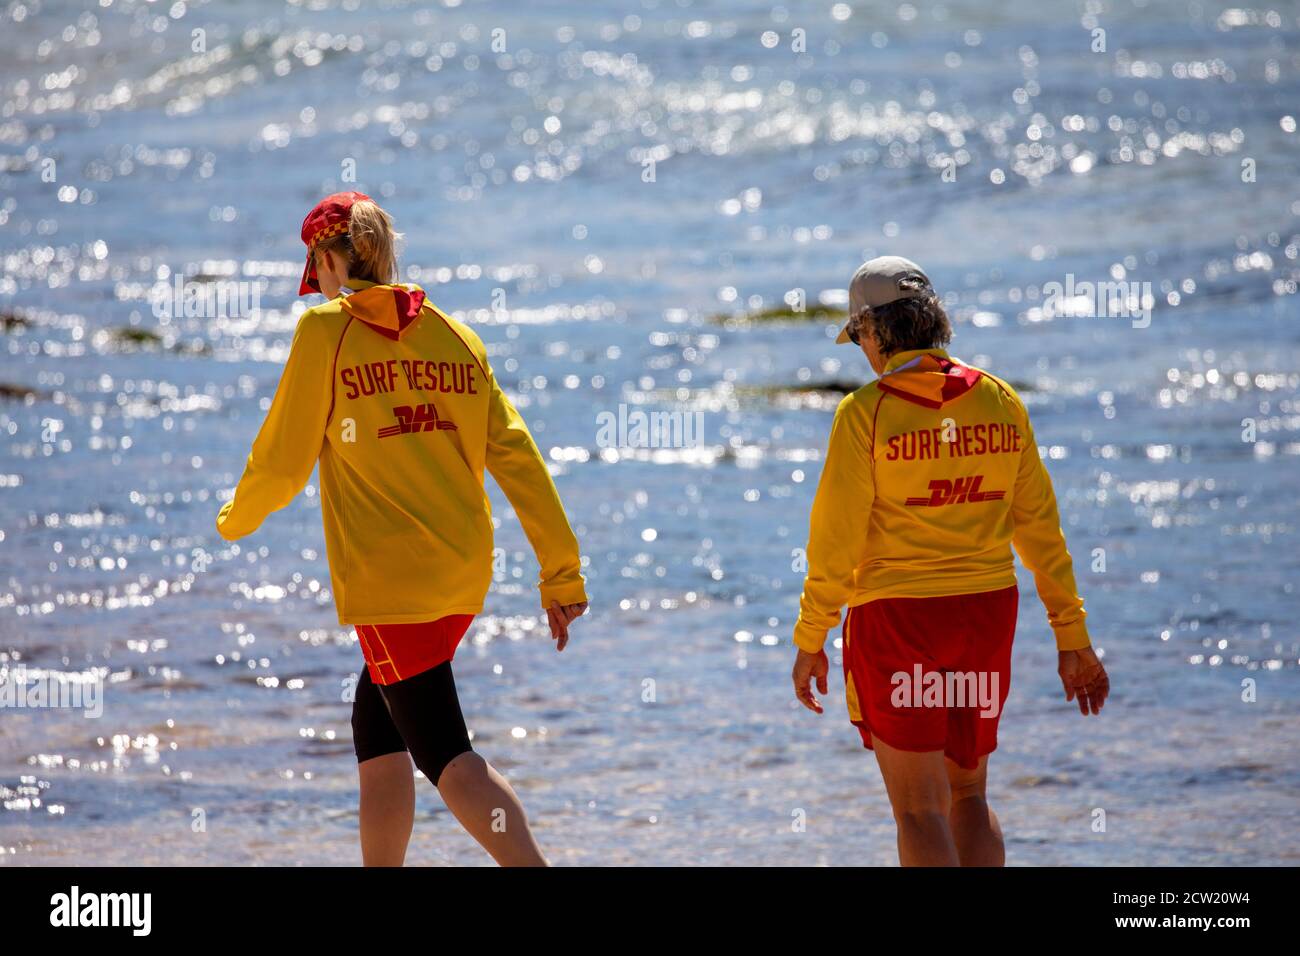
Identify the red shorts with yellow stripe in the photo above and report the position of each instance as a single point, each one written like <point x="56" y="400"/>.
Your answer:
<point x="395" y="652"/>
<point x="925" y="674"/>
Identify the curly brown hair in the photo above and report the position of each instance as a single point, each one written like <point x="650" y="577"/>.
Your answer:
<point x="906" y="324"/>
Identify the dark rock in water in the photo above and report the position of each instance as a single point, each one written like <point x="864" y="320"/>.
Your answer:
<point x="784" y="313"/>
<point x="837" y="386"/>
<point x="1042" y="780"/>
<point x="1241" y="772"/>
<point x="17" y="393"/>
<point x="832" y="386"/>
<point x="130" y="335"/>
<point x="12" y="320"/>
<point x="845" y="387"/>
<point x="192" y="347"/>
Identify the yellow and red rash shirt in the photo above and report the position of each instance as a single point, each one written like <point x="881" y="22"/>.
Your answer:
<point x="400" y="406"/>
<point x="931" y="476"/>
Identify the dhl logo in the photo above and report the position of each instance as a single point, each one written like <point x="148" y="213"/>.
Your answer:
<point x="421" y="418"/>
<point x="958" y="491"/>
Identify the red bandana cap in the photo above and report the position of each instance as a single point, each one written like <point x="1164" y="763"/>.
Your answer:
<point x="330" y="218"/>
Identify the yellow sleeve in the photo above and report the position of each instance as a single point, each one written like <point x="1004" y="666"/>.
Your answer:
<point x="837" y="533"/>
<point x="519" y="469"/>
<point x="1040" y="542"/>
<point x="289" y="443"/>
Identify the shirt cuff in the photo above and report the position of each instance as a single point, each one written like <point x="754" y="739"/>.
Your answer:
<point x="809" y="638"/>
<point x="1072" y="636"/>
<point x="571" y="593"/>
<point x="224" y="527"/>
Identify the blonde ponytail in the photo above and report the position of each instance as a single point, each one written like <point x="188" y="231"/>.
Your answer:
<point x="369" y="245"/>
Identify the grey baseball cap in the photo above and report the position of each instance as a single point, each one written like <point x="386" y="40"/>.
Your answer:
<point x="883" y="280"/>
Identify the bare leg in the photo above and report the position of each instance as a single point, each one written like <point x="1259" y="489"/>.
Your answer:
<point x="974" y="825"/>
<point x="387" y="808"/>
<point x="919" y="793"/>
<point x="488" y="809"/>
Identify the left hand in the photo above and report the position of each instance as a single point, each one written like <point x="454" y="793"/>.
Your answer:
<point x="560" y="616"/>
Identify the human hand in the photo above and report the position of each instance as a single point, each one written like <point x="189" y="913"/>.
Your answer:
<point x="1084" y="679"/>
<point x="806" y="667"/>
<point x="560" y="616"/>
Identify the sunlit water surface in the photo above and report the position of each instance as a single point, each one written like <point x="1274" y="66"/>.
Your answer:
<point x="666" y="733"/>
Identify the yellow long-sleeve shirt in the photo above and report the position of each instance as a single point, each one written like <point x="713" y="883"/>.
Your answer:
<point x="931" y="477"/>
<point x="400" y="406"/>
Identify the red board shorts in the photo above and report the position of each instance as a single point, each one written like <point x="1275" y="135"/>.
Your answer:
<point x="923" y="674"/>
<point x="395" y="652"/>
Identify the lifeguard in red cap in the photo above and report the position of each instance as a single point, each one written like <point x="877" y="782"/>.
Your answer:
<point x="398" y="403"/>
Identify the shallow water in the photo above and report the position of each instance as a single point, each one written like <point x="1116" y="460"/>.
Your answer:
<point x="523" y="172"/>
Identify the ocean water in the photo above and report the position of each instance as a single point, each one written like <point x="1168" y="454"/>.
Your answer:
<point x="591" y="185"/>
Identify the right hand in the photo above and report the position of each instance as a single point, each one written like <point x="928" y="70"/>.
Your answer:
<point x="560" y="616"/>
<point x="806" y="667"/>
<point x="1084" y="679"/>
